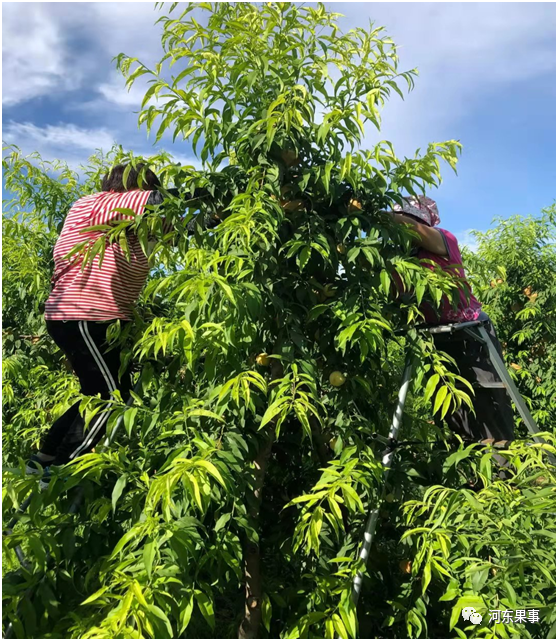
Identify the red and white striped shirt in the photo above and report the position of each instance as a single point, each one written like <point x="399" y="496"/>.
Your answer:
<point x="92" y="292"/>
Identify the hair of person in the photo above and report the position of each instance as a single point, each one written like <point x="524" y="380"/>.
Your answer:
<point x="139" y="177"/>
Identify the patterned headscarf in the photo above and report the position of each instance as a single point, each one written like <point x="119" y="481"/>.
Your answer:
<point x="420" y="207"/>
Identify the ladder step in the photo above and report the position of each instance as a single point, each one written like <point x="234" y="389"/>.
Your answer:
<point x="495" y="385"/>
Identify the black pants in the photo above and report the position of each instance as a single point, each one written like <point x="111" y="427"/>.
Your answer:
<point x="84" y="344"/>
<point x="493" y="417"/>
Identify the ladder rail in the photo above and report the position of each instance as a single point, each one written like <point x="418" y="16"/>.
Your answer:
<point x="510" y="386"/>
<point x="471" y="328"/>
<point x="387" y="459"/>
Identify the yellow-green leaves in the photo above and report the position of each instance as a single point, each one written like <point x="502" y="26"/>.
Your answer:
<point x="240" y="388"/>
<point x="213" y="471"/>
<point x="96" y="595"/>
<point x="346" y="166"/>
<point x="370" y="332"/>
<point x="149" y="552"/>
<point x="169" y="505"/>
<point x="339" y="486"/>
<point x="193" y="476"/>
<point x="347" y="610"/>
<point x="431" y="386"/>
<point x="441" y="396"/>
<point x="295" y="392"/>
<point x="280" y="408"/>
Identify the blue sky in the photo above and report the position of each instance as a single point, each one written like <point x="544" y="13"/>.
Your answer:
<point x="487" y="78"/>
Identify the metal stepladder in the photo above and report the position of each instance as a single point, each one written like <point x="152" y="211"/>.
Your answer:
<point x="477" y="331"/>
<point x="74" y="506"/>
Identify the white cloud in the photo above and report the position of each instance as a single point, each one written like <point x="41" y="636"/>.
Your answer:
<point x="467" y="239"/>
<point x="115" y="92"/>
<point x="58" y="136"/>
<point x="65" y="141"/>
<point x="49" y="47"/>
<point x="465" y="52"/>
<point x="125" y="27"/>
<point x="76" y="144"/>
<point x="34" y="60"/>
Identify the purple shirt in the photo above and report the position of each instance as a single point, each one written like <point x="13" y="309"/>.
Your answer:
<point x="467" y="310"/>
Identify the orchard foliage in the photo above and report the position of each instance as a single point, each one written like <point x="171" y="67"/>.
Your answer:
<point x="514" y="276"/>
<point x="233" y="498"/>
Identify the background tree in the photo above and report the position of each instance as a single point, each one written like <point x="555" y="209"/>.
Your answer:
<point x="234" y="499"/>
<point x="514" y="275"/>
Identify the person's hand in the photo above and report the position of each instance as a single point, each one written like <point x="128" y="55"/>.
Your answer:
<point x="213" y="221"/>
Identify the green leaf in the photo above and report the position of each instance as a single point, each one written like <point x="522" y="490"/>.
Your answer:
<point x="440" y="396"/>
<point x="446" y="405"/>
<point x="149" y="550"/>
<point x="303" y="257"/>
<point x="38" y="548"/>
<point x="339" y="627"/>
<point x="426" y="576"/>
<point x="419" y="292"/>
<point x="205" y="605"/>
<point x="449" y="595"/>
<point x="149" y="93"/>
<point x="266" y="612"/>
<point x="471" y="499"/>
<point x="126" y="537"/>
<point x="118" y="489"/>
<point x="385" y="281"/>
<point x="431" y="386"/>
<point x="95" y="595"/>
<point x="162" y="617"/>
<point x="222" y="521"/>
<point x="348" y="614"/>
<point x="207" y="413"/>
<point x="129" y="418"/>
<point x="186" y="609"/>
<point x="136" y="588"/>
<point x="212" y="470"/>
<point x="273" y="410"/>
<point x="346" y="167"/>
<point x="327" y="173"/>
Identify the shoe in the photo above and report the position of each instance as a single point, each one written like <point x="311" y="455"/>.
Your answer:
<point x="34" y="465"/>
<point x="45" y="479"/>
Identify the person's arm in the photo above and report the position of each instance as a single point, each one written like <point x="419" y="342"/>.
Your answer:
<point x="156" y="197"/>
<point x="431" y="239"/>
<point x="209" y="220"/>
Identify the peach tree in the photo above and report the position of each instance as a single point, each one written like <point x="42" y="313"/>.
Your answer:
<point x="233" y="497"/>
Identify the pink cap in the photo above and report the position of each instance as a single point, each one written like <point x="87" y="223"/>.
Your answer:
<point x="420" y="207"/>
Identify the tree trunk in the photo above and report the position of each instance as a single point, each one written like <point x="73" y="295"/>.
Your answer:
<point x="250" y="625"/>
<point x="323" y="451"/>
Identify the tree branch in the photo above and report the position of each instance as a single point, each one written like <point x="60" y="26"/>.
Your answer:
<point x="250" y="624"/>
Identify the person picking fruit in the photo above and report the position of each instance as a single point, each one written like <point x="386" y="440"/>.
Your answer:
<point x="86" y="298"/>
<point x="492" y="420"/>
